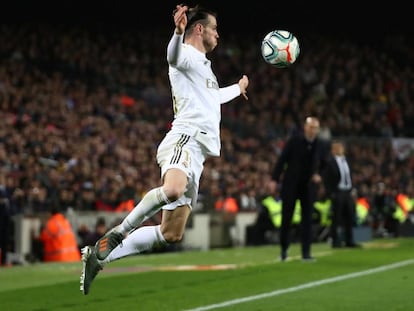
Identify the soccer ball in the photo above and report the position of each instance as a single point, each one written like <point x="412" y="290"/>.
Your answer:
<point x="280" y="48"/>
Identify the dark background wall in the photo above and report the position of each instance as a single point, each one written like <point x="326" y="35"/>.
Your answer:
<point x="356" y="17"/>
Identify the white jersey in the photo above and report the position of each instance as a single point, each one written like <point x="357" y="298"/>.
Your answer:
<point x="196" y="94"/>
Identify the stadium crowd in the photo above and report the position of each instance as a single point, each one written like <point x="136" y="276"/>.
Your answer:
<point x="83" y="110"/>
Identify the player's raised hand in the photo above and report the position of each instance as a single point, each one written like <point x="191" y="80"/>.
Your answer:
<point x="243" y="84"/>
<point x="180" y="18"/>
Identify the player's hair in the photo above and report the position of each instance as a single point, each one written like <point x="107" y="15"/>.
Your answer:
<point x="197" y="15"/>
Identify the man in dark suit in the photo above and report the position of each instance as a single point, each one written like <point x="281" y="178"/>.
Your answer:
<point x="299" y="165"/>
<point x="5" y="223"/>
<point x="338" y="185"/>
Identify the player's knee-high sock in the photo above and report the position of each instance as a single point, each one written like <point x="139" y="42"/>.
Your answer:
<point x="138" y="241"/>
<point x="150" y="204"/>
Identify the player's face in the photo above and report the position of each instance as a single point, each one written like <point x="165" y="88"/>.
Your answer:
<point x="210" y="34"/>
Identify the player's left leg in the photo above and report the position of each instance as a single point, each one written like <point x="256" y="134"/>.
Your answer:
<point x="146" y="238"/>
<point x="90" y="268"/>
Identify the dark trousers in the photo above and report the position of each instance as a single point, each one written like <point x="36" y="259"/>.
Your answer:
<point x="5" y="222"/>
<point x="343" y="216"/>
<point x="257" y="232"/>
<point x="289" y="197"/>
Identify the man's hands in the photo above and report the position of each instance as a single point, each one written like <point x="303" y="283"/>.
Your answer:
<point x="316" y="178"/>
<point x="180" y="18"/>
<point x="243" y="84"/>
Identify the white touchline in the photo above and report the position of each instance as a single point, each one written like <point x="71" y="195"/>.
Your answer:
<point x="305" y="286"/>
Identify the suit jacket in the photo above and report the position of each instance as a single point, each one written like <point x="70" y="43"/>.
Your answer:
<point x="299" y="160"/>
<point x="331" y="176"/>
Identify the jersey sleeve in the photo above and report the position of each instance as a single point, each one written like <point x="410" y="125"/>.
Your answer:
<point x="228" y="93"/>
<point x="175" y="50"/>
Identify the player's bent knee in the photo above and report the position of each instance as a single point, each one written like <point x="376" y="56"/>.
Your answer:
<point x="172" y="237"/>
<point x="173" y="192"/>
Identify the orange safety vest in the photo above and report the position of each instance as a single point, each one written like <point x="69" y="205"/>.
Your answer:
<point x="404" y="203"/>
<point x="228" y="204"/>
<point x="362" y="207"/>
<point x="125" y="206"/>
<point x="59" y="241"/>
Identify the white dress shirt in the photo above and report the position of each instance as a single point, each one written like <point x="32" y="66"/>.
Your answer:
<point x="345" y="182"/>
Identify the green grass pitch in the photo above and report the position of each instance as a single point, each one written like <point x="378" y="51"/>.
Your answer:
<point x="380" y="276"/>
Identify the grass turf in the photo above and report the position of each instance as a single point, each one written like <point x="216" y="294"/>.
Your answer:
<point x="250" y="278"/>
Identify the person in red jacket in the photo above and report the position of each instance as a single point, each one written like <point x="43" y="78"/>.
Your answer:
<point x="59" y="240"/>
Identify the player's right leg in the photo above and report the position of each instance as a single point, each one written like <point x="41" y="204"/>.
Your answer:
<point x="172" y="158"/>
<point x="175" y="182"/>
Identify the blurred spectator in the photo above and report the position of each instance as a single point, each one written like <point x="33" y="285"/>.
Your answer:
<point x="37" y="197"/>
<point x="69" y="110"/>
<point x="90" y="237"/>
<point x="383" y="206"/>
<point x="86" y="200"/>
<point x="268" y="220"/>
<point x="66" y="198"/>
<point x="58" y="239"/>
<point x="227" y="205"/>
<point x="5" y="225"/>
<point x="128" y="190"/>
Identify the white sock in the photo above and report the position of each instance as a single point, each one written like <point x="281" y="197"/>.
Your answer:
<point x="140" y="240"/>
<point x="150" y="204"/>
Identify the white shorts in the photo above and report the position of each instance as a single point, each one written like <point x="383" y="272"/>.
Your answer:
<point x="183" y="152"/>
